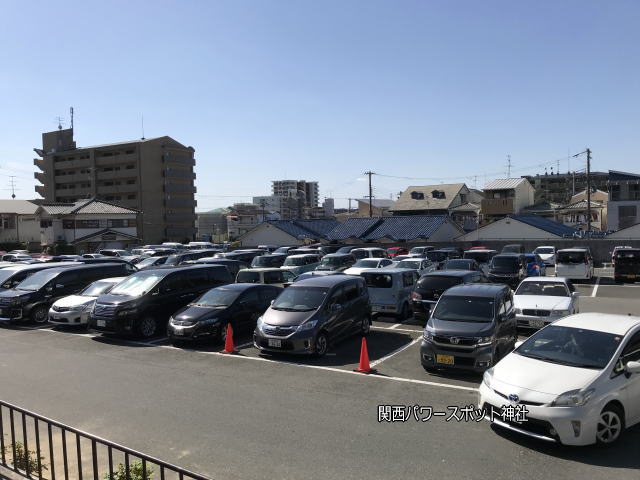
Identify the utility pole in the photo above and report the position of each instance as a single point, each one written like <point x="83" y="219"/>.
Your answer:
<point x="12" y="184"/>
<point x="370" y="193"/>
<point x="588" y="190"/>
<point x="508" y="166"/>
<point x="349" y="210"/>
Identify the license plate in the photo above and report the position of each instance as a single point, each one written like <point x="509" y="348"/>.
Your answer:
<point x="101" y="323"/>
<point x="446" y="359"/>
<point x="536" y="323"/>
<point x="275" y="342"/>
<point x="631" y="276"/>
<point x="376" y="308"/>
<point x="178" y="331"/>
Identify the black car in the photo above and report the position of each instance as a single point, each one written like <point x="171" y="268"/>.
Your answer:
<point x="513" y="248"/>
<point x="142" y="304"/>
<point x="461" y="264"/>
<point x="12" y="275"/>
<point x="245" y="256"/>
<point x="32" y="298"/>
<point x="234" y="266"/>
<point x="441" y="256"/>
<point x="238" y="304"/>
<point x="507" y="268"/>
<point x="269" y="261"/>
<point x="472" y="327"/>
<point x="626" y="265"/>
<point x="432" y="285"/>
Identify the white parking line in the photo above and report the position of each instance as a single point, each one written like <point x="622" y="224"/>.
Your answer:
<point x="396" y="329"/>
<point x="395" y="352"/>
<point x="595" y="289"/>
<point x="394" y="326"/>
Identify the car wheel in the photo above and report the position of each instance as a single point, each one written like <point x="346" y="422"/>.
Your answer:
<point x="610" y="425"/>
<point x="365" y="326"/>
<point x="147" y="327"/>
<point x="39" y="314"/>
<point x="321" y="345"/>
<point x="404" y="313"/>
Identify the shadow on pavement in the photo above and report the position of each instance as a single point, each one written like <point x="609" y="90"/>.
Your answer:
<point x="624" y="454"/>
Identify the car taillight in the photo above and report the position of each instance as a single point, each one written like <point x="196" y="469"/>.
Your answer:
<point x="416" y="296"/>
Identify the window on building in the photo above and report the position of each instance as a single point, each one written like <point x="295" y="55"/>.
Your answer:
<point x="417" y="195"/>
<point x="87" y="224"/>
<point x="130" y="167"/>
<point x="438" y="194"/>
<point x="131" y="182"/>
<point x="68" y="224"/>
<point x="132" y="196"/>
<point x="116" y="223"/>
<point x="45" y="223"/>
<point x="128" y="152"/>
<point x="615" y="192"/>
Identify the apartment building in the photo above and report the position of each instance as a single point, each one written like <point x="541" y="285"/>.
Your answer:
<point x="155" y="176"/>
<point x="506" y="196"/>
<point x="308" y="192"/>
<point x="623" y="208"/>
<point x="560" y="187"/>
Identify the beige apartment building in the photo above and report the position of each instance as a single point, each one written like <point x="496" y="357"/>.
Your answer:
<point x="155" y="176"/>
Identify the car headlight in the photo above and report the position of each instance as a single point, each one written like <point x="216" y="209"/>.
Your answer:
<point x="128" y="311"/>
<point x="560" y="313"/>
<point x="573" y="398"/>
<point x="487" y="377"/>
<point x="307" y="325"/>
<point x="79" y="308"/>
<point x="16" y="301"/>
<point x="484" y="341"/>
<point x="518" y="311"/>
<point x="427" y="335"/>
<point x="260" y="323"/>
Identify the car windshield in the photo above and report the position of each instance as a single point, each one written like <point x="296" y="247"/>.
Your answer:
<point x="358" y="253"/>
<point x="551" y="289"/>
<point x="436" y="256"/>
<point x="217" y="297"/>
<point x="366" y="263"/>
<point x="247" y="276"/>
<point x="415" y="264"/>
<point x="97" y="288"/>
<point x="282" y="250"/>
<point x="571" y="257"/>
<point x="173" y="260"/>
<point x="300" y="299"/>
<point x="332" y="261"/>
<point x="6" y="274"/>
<point x="148" y="262"/>
<point x="378" y="280"/>
<point x="295" y="261"/>
<point x="505" y="262"/>
<point x="543" y="250"/>
<point x="459" y="264"/>
<point x="464" y="309"/>
<point x="437" y="282"/>
<point x="480" y="257"/>
<point x="571" y="346"/>
<point x="37" y="280"/>
<point x="138" y="284"/>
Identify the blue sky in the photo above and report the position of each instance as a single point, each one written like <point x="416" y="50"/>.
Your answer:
<point x="325" y="90"/>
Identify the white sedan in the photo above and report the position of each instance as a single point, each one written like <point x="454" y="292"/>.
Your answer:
<point x="539" y="301"/>
<point x="421" y="265"/>
<point x="576" y="382"/>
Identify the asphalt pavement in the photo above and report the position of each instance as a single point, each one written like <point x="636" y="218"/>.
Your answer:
<point x="251" y="416"/>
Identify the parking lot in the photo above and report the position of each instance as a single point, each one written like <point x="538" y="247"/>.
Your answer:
<point x="250" y="415"/>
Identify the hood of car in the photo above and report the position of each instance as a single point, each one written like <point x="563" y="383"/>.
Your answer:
<point x="74" y="300"/>
<point x="541" y="302"/>
<point x="516" y="372"/>
<point x="546" y="256"/>
<point x="193" y="313"/>
<point x="284" y="318"/>
<point x="460" y="329"/>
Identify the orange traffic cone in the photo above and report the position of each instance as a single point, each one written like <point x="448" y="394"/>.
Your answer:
<point x="364" y="360"/>
<point x="228" y="342"/>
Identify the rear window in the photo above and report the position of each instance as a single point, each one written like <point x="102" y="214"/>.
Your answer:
<point x="438" y="282"/>
<point x="571" y="257"/>
<point x="378" y="280"/>
<point x="630" y="255"/>
<point x="480" y="257"/>
<point x="274" y="277"/>
<point x="248" y="277"/>
<point x="506" y="262"/>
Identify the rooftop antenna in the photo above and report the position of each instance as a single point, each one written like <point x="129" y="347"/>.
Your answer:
<point x="142" y="127"/>
<point x="13" y="186"/>
<point x="59" y="122"/>
<point x="508" y="166"/>
<point x="71" y="113"/>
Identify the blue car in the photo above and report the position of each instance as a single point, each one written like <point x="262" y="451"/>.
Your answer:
<point x="535" y="265"/>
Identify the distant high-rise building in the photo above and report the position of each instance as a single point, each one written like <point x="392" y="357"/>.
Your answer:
<point x="152" y="175"/>
<point x="307" y="192"/>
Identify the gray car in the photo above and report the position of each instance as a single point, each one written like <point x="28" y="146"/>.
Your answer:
<point x="470" y="329"/>
<point x="311" y="314"/>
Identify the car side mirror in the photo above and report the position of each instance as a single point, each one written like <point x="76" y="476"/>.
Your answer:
<point x="632" y="367"/>
<point x="575" y="294"/>
<point x="518" y="343"/>
<point x="336" y="307"/>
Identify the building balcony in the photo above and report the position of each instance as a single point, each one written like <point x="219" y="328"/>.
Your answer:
<point x="172" y="172"/>
<point x="78" y="163"/>
<point x="111" y="189"/>
<point x="497" y="206"/>
<point x="179" y="188"/>
<point x="179" y="203"/>
<point x="40" y="176"/>
<point x="39" y="162"/>
<point x="116" y="160"/>
<point x="40" y="190"/>
<point x="179" y="159"/>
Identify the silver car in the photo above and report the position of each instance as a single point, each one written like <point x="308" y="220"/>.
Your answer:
<point x="540" y="301"/>
<point x="74" y="309"/>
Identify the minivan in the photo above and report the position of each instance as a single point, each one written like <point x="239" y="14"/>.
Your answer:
<point x="301" y="263"/>
<point x="508" y="268"/>
<point x="574" y="264"/>
<point x="234" y="266"/>
<point x="482" y="256"/>
<point x="142" y="304"/>
<point x="433" y="284"/>
<point x="471" y="328"/>
<point x="273" y="260"/>
<point x="14" y="274"/>
<point x="312" y="314"/>
<point x="338" y="262"/>
<point x="32" y="298"/>
<point x="369" y="252"/>
<point x="271" y="276"/>
<point x="625" y="268"/>
<point x="390" y="290"/>
<point x="513" y="248"/>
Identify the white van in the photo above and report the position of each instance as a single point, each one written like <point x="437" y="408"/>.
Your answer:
<point x="390" y="290"/>
<point x="369" y="252"/>
<point x="574" y="263"/>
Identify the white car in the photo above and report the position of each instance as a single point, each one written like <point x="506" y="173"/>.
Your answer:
<point x="421" y="265"/>
<point x="578" y="379"/>
<point x="540" y="301"/>
<point x="547" y="254"/>
<point x="74" y="309"/>
<point x="574" y="263"/>
<point x="366" y="263"/>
